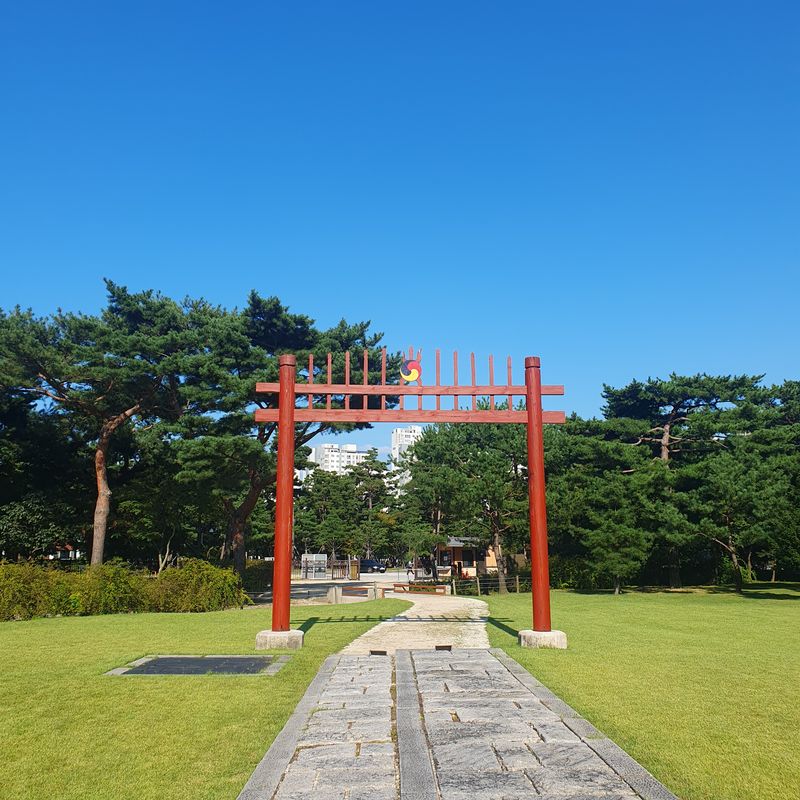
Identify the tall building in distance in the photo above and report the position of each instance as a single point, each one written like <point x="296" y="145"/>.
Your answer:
<point x="337" y="457"/>
<point x="403" y="438"/>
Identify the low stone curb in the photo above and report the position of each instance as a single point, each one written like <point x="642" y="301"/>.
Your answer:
<point x="267" y="775"/>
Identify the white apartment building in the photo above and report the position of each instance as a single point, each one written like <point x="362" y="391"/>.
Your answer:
<point x="337" y="457"/>
<point x="403" y="438"/>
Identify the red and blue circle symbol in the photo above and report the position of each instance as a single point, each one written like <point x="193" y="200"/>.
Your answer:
<point x="411" y="370"/>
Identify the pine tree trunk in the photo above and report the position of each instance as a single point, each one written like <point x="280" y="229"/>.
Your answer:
<point x="237" y="524"/>
<point x="675" y="581"/>
<point x="737" y="570"/>
<point x="665" y="442"/>
<point x="498" y="554"/>
<point x="102" y="505"/>
<point x="617" y="586"/>
<point x="237" y="543"/>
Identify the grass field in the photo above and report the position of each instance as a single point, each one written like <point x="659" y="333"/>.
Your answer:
<point x="67" y="731"/>
<point x="702" y="688"/>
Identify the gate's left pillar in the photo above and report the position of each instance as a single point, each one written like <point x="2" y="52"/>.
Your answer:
<point x="281" y="636"/>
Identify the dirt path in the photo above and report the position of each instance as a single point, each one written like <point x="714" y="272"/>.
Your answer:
<point x="432" y="620"/>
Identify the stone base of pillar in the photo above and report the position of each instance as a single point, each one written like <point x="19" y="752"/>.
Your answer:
<point x="554" y="639"/>
<point x="279" y="640"/>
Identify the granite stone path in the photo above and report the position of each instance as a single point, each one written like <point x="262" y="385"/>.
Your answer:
<point x="432" y="620"/>
<point x="425" y="724"/>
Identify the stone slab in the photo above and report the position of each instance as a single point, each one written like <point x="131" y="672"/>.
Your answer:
<point x="553" y="639"/>
<point x="279" y="640"/>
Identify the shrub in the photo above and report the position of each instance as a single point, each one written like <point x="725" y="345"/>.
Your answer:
<point x="30" y="590"/>
<point x="23" y="591"/>
<point x="196" y="585"/>
<point x="258" y="576"/>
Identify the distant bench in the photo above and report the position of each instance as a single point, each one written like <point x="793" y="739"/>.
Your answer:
<point x="357" y="591"/>
<point x="421" y="588"/>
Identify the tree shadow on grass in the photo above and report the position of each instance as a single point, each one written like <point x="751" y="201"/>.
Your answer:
<point x="309" y="623"/>
<point x="761" y="591"/>
<point x="500" y="624"/>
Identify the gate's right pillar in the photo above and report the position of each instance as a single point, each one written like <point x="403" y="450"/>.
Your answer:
<point x="541" y="635"/>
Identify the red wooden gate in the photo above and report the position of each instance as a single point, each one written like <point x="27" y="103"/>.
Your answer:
<point x="319" y="407"/>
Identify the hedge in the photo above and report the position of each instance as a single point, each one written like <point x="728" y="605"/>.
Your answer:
<point x="31" y="590"/>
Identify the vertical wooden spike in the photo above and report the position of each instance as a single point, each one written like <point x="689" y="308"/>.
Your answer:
<point x="347" y="378"/>
<point x="330" y="381"/>
<point x="472" y="371"/>
<point x="438" y="379"/>
<point x="455" y="378"/>
<point x="365" y="404"/>
<point x="510" y="379"/>
<point x="383" y="377"/>
<point x="311" y="378"/>
<point x="491" y="381"/>
<point x="402" y="383"/>
<point x="419" y="378"/>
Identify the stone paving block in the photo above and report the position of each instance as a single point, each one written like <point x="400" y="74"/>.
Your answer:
<point x="568" y="781"/>
<point x="488" y="783"/>
<point x="566" y="754"/>
<point x="340" y="750"/>
<point x="371" y="793"/>
<point x="377" y="748"/>
<point x="332" y="779"/>
<point x="297" y="779"/>
<point x="464" y="755"/>
<point x="453" y="733"/>
<point x="555" y="732"/>
<point x="515" y="755"/>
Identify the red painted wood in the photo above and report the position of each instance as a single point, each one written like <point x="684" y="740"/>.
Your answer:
<point x="408" y="415"/>
<point x="472" y="372"/>
<point x="383" y="377"/>
<point x="408" y="389"/>
<point x="402" y="401"/>
<point x="330" y="378"/>
<point x="438" y="379"/>
<point x="284" y="495"/>
<point x="537" y="504"/>
<point x="347" y="378"/>
<point x="366" y="378"/>
<point x="491" y="381"/>
<point x="509" y="381"/>
<point x="455" y="379"/>
<point x="311" y="378"/>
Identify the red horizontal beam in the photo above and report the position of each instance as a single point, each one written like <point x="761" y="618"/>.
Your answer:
<point x="404" y="389"/>
<point x="407" y="415"/>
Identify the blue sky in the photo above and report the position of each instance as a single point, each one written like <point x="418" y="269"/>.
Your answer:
<point x="612" y="186"/>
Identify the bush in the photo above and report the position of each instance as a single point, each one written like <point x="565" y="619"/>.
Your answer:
<point x="258" y="576"/>
<point x="111" y="588"/>
<point x="30" y="590"/>
<point x="196" y="585"/>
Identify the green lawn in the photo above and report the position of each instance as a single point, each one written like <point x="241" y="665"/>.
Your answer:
<point x="702" y="688"/>
<point x="68" y="731"/>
